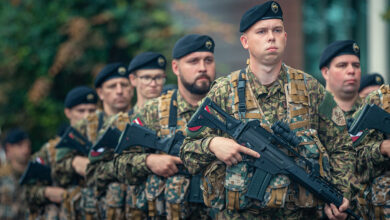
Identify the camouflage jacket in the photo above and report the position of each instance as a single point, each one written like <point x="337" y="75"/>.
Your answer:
<point x="195" y="152"/>
<point x="370" y="162"/>
<point x="12" y="195"/>
<point x="35" y="194"/>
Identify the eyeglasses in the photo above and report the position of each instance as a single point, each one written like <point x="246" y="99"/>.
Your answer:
<point x="148" y="79"/>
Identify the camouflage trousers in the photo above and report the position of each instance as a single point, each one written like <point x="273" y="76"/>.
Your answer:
<point x="374" y="203"/>
<point x="49" y="212"/>
<point x="269" y="214"/>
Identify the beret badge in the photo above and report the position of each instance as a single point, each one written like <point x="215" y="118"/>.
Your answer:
<point x="355" y="48"/>
<point x="209" y="44"/>
<point x="274" y="7"/>
<point x="121" y="71"/>
<point x="378" y="80"/>
<point x="161" y="61"/>
<point x="90" y="97"/>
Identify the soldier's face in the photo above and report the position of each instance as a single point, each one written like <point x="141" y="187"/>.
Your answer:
<point x="116" y="95"/>
<point x="343" y="76"/>
<point x="19" y="152"/>
<point x="195" y="72"/>
<point x="265" y="41"/>
<point x="148" y="82"/>
<point x="79" y="112"/>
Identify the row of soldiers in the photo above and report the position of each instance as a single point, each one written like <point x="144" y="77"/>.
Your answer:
<point x="140" y="183"/>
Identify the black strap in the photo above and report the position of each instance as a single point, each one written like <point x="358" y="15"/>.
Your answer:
<point x="172" y="123"/>
<point x="131" y="112"/>
<point x="241" y="94"/>
<point x="101" y="120"/>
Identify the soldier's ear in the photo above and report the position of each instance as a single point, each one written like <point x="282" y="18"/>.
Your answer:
<point x="67" y="113"/>
<point x="132" y="79"/>
<point x="175" y="67"/>
<point x="325" y="72"/>
<point x="244" y="41"/>
<point x="99" y="91"/>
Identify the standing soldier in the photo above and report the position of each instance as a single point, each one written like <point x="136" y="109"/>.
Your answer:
<point x="370" y="83"/>
<point x="12" y="196"/>
<point x="340" y="67"/>
<point x="193" y="64"/>
<point x="147" y="75"/>
<point x="115" y="92"/>
<point x="267" y="90"/>
<point x="79" y="103"/>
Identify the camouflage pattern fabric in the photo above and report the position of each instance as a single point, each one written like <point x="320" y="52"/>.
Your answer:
<point x="38" y="204"/>
<point x="12" y="196"/>
<point x="156" y="193"/>
<point x="273" y="102"/>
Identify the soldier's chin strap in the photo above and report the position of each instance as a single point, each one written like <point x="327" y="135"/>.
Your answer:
<point x="172" y="123"/>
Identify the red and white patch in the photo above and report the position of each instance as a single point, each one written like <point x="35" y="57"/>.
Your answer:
<point x="97" y="153"/>
<point x="138" y="121"/>
<point x="40" y="160"/>
<point x="356" y="136"/>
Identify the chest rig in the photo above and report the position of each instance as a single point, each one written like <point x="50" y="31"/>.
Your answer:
<point x="280" y="191"/>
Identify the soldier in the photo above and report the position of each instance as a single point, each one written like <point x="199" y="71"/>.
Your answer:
<point x="268" y="90"/>
<point x="147" y="75"/>
<point x="115" y="91"/>
<point x="370" y="83"/>
<point x="79" y="103"/>
<point x="12" y="195"/>
<point x="340" y="67"/>
<point x="193" y="64"/>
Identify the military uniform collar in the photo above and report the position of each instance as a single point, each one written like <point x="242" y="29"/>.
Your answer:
<point x="275" y="87"/>
<point x="183" y="105"/>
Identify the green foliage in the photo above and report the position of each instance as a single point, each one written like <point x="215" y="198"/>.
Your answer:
<point x="49" y="47"/>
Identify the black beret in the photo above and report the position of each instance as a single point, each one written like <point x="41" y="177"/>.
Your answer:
<point x="192" y="43"/>
<point x="110" y="71"/>
<point x="268" y="10"/>
<point x="147" y="60"/>
<point x="338" y="48"/>
<point x="80" y="95"/>
<point x="371" y="80"/>
<point x="15" y="135"/>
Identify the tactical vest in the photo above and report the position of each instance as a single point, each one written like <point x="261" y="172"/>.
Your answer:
<point x="281" y="192"/>
<point x="168" y="195"/>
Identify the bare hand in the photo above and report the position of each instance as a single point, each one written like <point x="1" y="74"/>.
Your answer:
<point x="163" y="164"/>
<point x="385" y="148"/>
<point x="54" y="193"/>
<point x="335" y="213"/>
<point x="79" y="164"/>
<point x="228" y="151"/>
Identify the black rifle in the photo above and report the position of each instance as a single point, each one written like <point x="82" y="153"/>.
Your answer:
<point x="272" y="160"/>
<point x="36" y="172"/>
<point x="136" y="135"/>
<point x="74" y="140"/>
<point x="108" y="140"/>
<point x="371" y="117"/>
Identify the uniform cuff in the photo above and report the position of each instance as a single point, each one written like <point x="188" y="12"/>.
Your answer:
<point x="377" y="156"/>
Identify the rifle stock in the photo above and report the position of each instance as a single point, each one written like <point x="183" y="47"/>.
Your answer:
<point x="108" y="140"/>
<point x="272" y="160"/>
<point x="74" y="140"/>
<point x="36" y="171"/>
<point x="371" y="117"/>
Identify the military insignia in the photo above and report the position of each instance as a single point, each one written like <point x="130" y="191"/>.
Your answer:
<point x="378" y="80"/>
<point x="122" y="71"/>
<point x="161" y="61"/>
<point x="338" y="116"/>
<point x="90" y="97"/>
<point x="274" y="7"/>
<point x="355" y="48"/>
<point x="209" y="44"/>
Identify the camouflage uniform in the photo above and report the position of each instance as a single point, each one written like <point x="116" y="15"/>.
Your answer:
<point x="272" y="101"/>
<point x="161" y="200"/>
<point x="12" y="196"/>
<point x="40" y="206"/>
<point x="373" y="168"/>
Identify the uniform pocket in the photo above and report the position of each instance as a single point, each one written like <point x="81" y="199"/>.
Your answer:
<point x="213" y="185"/>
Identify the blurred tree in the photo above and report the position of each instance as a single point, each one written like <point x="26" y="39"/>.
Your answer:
<point x="48" y="47"/>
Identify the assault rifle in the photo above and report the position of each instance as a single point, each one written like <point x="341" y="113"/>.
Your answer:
<point x="371" y="117"/>
<point x="74" y="140"/>
<point x="136" y="135"/>
<point x="108" y="140"/>
<point x="272" y="160"/>
<point x="36" y="171"/>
